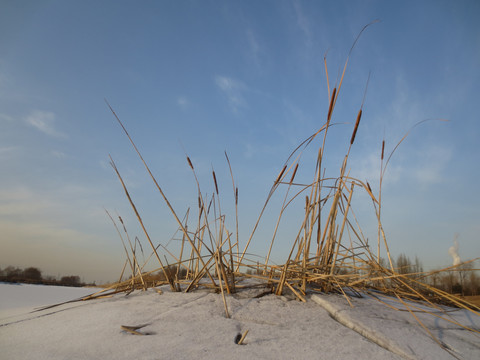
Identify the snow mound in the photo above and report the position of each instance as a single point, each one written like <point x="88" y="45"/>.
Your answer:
<point x="193" y="325"/>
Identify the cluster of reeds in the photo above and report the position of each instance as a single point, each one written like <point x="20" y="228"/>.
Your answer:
<point x="328" y="254"/>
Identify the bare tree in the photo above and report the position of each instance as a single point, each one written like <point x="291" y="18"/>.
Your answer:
<point x="404" y="265"/>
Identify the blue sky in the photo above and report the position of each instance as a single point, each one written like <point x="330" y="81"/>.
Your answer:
<point x="246" y="77"/>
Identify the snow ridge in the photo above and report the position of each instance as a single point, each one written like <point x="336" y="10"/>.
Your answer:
<point x="361" y="329"/>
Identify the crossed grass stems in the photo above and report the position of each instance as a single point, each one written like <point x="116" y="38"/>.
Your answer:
<point x="328" y="254"/>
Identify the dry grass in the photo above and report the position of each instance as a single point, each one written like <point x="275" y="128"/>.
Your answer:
<point x="328" y="254"/>
<point x="475" y="300"/>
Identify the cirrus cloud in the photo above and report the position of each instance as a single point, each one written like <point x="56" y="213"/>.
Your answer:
<point x="44" y="121"/>
<point x="233" y="89"/>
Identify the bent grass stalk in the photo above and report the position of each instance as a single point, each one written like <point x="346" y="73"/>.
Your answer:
<point x="141" y="223"/>
<point x="158" y="188"/>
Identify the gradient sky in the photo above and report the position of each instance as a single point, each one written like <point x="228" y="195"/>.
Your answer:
<point x="247" y="77"/>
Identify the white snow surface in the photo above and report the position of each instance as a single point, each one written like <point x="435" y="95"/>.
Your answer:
<point x="193" y="326"/>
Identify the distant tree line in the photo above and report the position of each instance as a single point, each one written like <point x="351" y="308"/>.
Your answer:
<point x="33" y="275"/>
<point x="462" y="280"/>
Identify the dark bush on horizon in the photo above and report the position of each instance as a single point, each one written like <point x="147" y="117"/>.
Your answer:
<point x="70" y="281"/>
<point x="33" y="275"/>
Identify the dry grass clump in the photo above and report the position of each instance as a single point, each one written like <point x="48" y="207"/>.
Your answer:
<point x="328" y="254"/>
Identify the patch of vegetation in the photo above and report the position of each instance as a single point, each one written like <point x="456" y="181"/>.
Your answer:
<point x="33" y="275"/>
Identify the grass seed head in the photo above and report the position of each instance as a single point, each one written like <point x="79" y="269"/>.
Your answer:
<point x="279" y="177"/>
<point x="359" y="116"/>
<point x="294" y="173"/>
<point x="215" y="181"/>
<point x="332" y="101"/>
<point x="190" y="163"/>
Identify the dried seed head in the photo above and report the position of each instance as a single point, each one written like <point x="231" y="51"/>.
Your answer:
<point x="369" y="188"/>
<point x="383" y="148"/>
<point x="294" y="173"/>
<point x="215" y="181"/>
<point x="236" y="196"/>
<point x="280" y="175"/>
<point x="189" y="162"/>
<point x="332" y="100"/>
<point x="356" y="126"/>
<point x="209" y="206"/>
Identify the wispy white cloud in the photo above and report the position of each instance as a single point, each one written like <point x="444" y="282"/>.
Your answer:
<point x="59" y="154"/>
<point x="254" y="47"/>
<point x="183" y="102"/>
<point x="233" y="90"/>
<point x="20" y="204"/>
<point x="22" y="201"/>
<point x="433" y="163"/>
<point x="303" y="23"/>
<point x="367" y="167"/>
<point x="5" y="117"/>
<point x="44" y="121"/>
<point x="406" y="108"/>
<point x="425" y="166"/>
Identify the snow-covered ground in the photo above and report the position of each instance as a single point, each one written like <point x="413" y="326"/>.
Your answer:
<point x="194" y="326"/>
<point x="22" y="298"/>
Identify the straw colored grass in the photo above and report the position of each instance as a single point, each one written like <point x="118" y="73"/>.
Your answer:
<point x="328" y="254"/>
